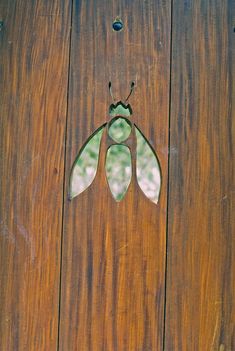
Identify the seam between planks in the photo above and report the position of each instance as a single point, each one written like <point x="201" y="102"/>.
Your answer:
<point x="64" y="179"/>
<point x="168" y="174"/>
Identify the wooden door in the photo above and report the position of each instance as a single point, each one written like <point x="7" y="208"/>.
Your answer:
<point x="93" y="274"/>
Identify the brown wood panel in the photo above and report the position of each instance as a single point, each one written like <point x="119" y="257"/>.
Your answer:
<point x="201" y="244"/>
<point x="34" y="43"/>
<point x="113" y="276"/>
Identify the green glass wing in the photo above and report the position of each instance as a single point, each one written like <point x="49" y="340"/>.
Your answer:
<point x="147" y="168"/>
<point x="85" y="166"/>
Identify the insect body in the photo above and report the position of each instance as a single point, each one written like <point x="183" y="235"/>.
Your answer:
<point x="128" y="154"/>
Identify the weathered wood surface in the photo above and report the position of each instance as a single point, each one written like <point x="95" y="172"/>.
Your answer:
<point x="201" y="235"/>
<point x="113" y="258"/>
<point x="113" y="273"/>
<point x="34" y="73"/>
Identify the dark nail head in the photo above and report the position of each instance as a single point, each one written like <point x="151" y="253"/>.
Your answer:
<point x="117" y="25"/>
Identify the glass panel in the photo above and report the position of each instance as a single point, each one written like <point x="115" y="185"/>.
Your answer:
<point x="120" y="110"/>
<point x="148" y="169"/>
<point x="119" y="130"/>
<point x="118" y="170"/>
<point x="85" y="167"/>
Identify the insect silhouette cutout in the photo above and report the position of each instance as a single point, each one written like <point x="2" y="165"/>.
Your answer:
<point x="128" y="154"/>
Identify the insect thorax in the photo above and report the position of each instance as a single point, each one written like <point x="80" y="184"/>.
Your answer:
<point x="119" y="128"/>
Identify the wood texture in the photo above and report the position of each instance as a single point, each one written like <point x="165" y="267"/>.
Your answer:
<point x="201" y="236"/>
<point x="34" y="73"/>
<point x="113" y="274"/>
<point x="113" y="258"/>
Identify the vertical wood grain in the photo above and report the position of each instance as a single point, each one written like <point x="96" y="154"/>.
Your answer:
<point x="113" y="275"/>
<point x="201" y="236"/>
<point x="34" y="43"/>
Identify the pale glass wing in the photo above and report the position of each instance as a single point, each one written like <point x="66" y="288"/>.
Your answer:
<point x="85" y="165"/>
<point x="148" y="168"/>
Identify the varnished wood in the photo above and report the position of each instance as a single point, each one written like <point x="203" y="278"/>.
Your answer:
<point x="201" y="236"/>
<point x="113" y="261"/>
<point x="113" y="273"/>
<point x="33" y="83"/>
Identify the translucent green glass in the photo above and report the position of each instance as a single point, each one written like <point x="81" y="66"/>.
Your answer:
<point x="85" y="166"/>
<point x="119" y="130"/>
<point x="118" y="170"/>
<point x="148" y="169"/>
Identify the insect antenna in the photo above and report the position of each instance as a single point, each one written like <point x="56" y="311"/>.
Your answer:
<point x="110" y="91"/>
<point x="132" y="88"/>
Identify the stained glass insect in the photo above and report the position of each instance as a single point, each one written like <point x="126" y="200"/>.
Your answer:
<point x="128" y="154"/>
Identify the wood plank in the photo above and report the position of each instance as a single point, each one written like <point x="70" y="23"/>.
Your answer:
<point x="34" y="73"/>
<point x="114" y="253"/>
<point x="201" y="245"/>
